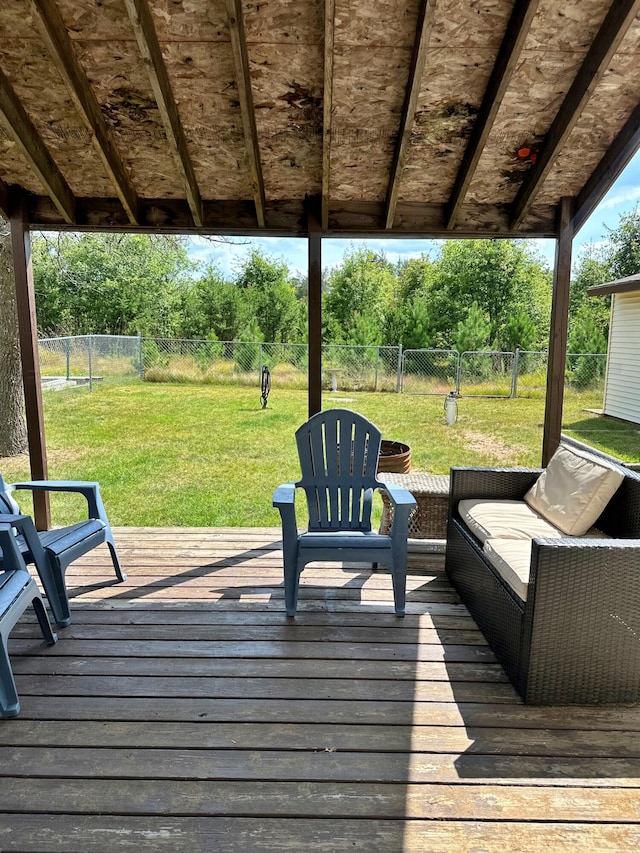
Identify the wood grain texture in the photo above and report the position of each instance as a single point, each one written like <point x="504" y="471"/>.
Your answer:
<point x="188" y="722"/>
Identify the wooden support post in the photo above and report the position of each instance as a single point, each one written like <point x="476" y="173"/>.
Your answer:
<point x="28" y="333"/>
<point x="558" y="331"/>
<point x="315" y="309"/>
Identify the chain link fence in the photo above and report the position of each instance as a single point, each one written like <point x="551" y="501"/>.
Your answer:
<point x="86" y="359"/>
<point x="489" y="373"/>
<point x="241" y="362"/>
<point x="430" y="371"/>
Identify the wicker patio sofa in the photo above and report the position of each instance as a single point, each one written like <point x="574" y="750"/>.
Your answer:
<point x="575" y="636"/>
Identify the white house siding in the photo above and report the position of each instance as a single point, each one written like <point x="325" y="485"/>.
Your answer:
<point x="622" y="389"/>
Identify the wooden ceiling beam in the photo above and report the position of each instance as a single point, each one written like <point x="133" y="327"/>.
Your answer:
<point x="614" y="27"/>
<point x="149" y="46"/>
<point x="247" y="111"/>
<point x="620" y="152"/>
<point x="416" y="71"/>
<point x="23" y="131"/>
<point x="62" y="51"/>
<point x="506" y="62"/>
<point x="327" y="108"/>
<point x="287" y="218"/>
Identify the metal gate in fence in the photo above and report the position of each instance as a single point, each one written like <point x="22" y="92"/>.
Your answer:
<point x="490" y="373"/>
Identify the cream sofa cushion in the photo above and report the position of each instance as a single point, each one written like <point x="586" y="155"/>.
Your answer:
<point x="511" y="558"/>
<point x="503" y="518"/>
<point x="573" y="490"/>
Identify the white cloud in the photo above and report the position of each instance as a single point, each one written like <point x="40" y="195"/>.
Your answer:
<point x="632" y="194"/>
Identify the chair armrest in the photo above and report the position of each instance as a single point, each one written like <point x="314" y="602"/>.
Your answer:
<point x="402" y="502"/>
<point x="284" y="495"/>
<point x="91" y="491"/>
<point x="284" y="498"/>
<point x="27" y="529"/>
<point x="582" y="622"/>
<point x="574" y="572"/>
<point x="487" y="483"/>
<point x="398" y="495"/>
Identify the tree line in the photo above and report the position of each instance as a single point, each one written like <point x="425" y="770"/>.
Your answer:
<point x="471" y="295"/>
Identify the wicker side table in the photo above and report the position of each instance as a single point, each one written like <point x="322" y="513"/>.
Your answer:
<point x="429" y="518"/>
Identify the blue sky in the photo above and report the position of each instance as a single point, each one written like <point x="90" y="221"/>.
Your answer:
<point x="621" y="198"/>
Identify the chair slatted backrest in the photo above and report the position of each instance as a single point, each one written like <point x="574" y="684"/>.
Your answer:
<point x="338" y="451"/>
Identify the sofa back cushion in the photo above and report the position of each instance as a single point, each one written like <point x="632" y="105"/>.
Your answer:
<point x="573" y="490"/>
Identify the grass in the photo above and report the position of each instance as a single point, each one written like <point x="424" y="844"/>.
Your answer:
<point x="211" y="456"/>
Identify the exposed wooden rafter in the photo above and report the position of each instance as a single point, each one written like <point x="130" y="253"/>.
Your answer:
<point x="149" y="46"/>
<point x="619" y="17"/>
<point x="506" y="61"/>
<point x="245" y="96"/>
<point x="25" y="134"/>
<point x="418" y="60"/>
<point x="54" y="33"/>
<point x="286" y="217"/>
<point x="327" y="107"/>
<point x="622" y="149"/>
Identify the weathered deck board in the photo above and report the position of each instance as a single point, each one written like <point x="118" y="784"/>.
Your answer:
<point x="182" y="710"/>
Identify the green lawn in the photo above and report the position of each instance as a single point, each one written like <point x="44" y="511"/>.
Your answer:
<point x="211" y="456"/>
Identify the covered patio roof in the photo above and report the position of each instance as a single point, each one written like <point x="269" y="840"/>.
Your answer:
<point x="428" y="118"/>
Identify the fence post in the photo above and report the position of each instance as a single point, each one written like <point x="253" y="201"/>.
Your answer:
<point x="375" y="382"/>
<point x="399" y="377"/>
<point x="514" y="374"/>
<point x="68" y="358"/>
<point x="90" y="337"/>
<point x="458" y="371"/>
<point x="260" y="358"/>
<point x="140" y="358"/>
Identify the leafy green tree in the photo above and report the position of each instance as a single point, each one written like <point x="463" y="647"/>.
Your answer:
<point x="503" y="276"/>
<point x="624" y="246"/>
<point x="406" y="318"/>
<point x="109" y="283"/>
<point x="416" y="325"/>
<point x="585" y="336"/>
<point x="518" y="331"/>
<point x="364" y="332"/>
<point x="214" y="305"/>
<point x="415" y="276"/>
<point x="270" y="295"/>
<point x="473" y="332"/>
<point x="593" y="268"/>
<point x="360" y="291"/>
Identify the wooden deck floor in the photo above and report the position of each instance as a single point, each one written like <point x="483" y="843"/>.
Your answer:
<point x="182" y="711"/>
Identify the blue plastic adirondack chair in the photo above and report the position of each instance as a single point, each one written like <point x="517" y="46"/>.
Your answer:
<point x="52" y="551"/>
<point x="17" y="591"/>
<point x="338" y="451"/>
